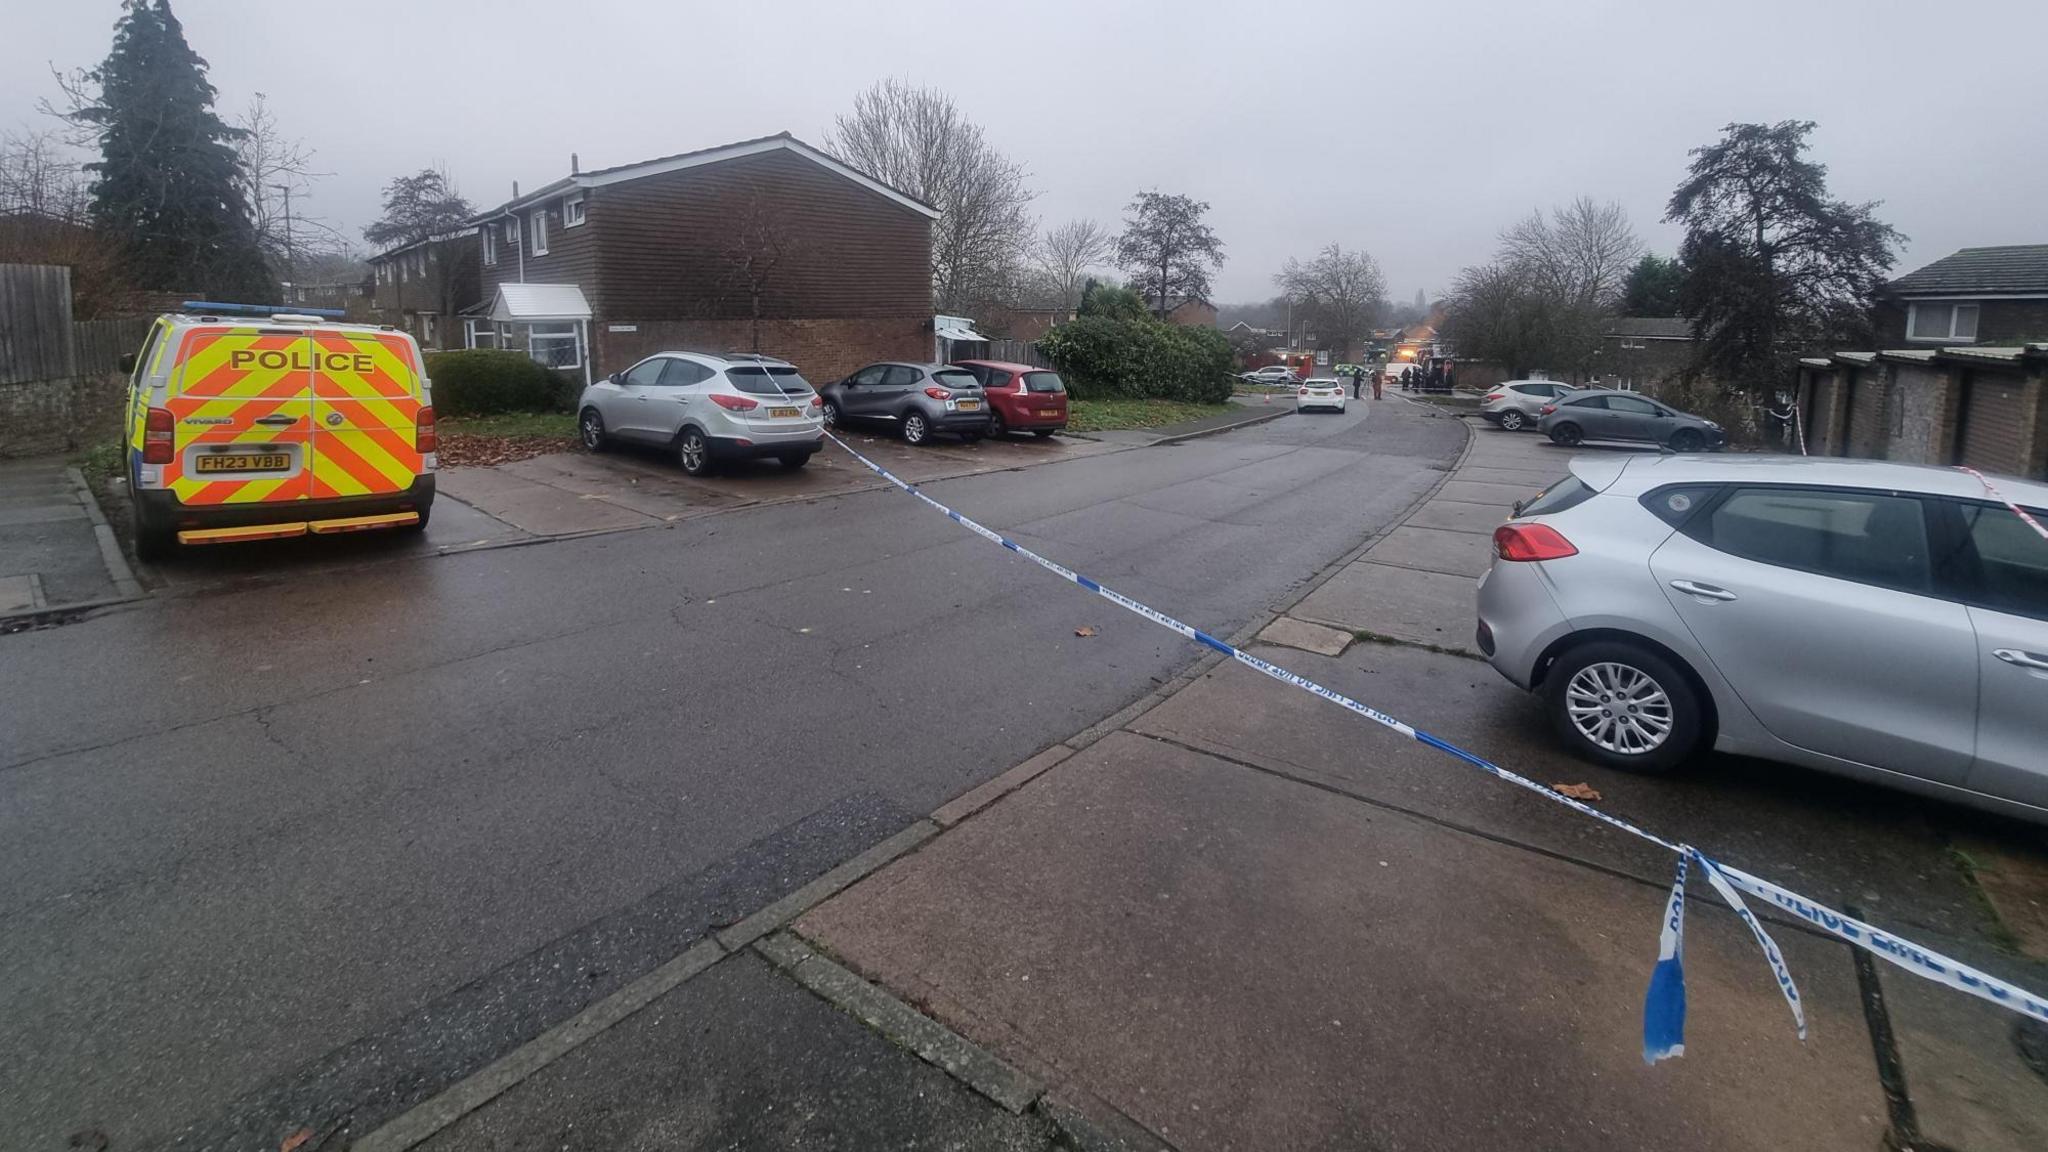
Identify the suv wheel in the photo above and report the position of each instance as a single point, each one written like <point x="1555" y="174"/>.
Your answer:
<point x="1567" y="434"/>
<point x="1512" y="420"/>
<point x="915" y="430"/>
<point x="996" y="428"/>
<point x="590" y="430"/>
<point x="693" y="452"/>
<point x="1687" y="440"/>
<point x="1624" y="706"/>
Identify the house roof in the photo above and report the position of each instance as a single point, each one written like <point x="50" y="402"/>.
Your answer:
<point x="1649" y="327"/>
<point x="527" y="302"/>
<point x="2014" y="270"/>
<point x="436" y="238"/>
<point x="780" y="142"/>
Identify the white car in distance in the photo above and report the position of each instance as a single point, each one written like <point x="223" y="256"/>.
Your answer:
<point x="1320" y="392"/>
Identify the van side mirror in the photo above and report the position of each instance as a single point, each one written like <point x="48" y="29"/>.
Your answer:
<point x="127" y="363"/>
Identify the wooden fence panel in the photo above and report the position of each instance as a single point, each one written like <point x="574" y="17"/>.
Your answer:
<point x="100" y="344"/>
<point x="1016" y="352"/>
<point x="35" y="323"/>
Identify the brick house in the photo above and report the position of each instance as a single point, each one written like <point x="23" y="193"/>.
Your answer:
<point x="1988" y="296"/>
<point x="425" y="287"/>
<point x="767" y="245"/>
<point x="1639" y="351"/>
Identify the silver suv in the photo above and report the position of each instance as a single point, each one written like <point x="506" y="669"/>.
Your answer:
<point x="707" y="408"/>
<point x="1515" y="404"/>
<point x="1883" y="621"/>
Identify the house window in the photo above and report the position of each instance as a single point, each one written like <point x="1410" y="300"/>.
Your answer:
<point x="427" y="328"/>
<point x="1941" y="320"/>
<point x="490" y="232"/>
<point x="572" y="210"/>
<point x="512" y="230"/>
<point x="540" y="232"/>
<point x="404" y="270"/>
<point x="479" y="334"/>
<point x="554" y="345"/>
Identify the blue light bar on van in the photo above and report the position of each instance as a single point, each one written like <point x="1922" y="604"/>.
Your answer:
<point x="260" y="309"/>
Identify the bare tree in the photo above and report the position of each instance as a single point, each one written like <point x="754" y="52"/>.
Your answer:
<point x="1342" y="293"/>
<point x="1168" y="249"/>
<point x="275" y="170"/>
<point x="1584" y="250"/>
<point x="39" y="176"/>
<point x="757" y="241"/>
<point x="1063" y="256"/>
<point x="917" y="141"/>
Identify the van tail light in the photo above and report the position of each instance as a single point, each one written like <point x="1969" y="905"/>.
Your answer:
<point x="938" y="393"/>
<point x="1526" y="542"/>
<point x="424" y="439"/>
<point x="157" y="433"/>
<point x="734" y="403"/>
<point x="1546" y="410"/>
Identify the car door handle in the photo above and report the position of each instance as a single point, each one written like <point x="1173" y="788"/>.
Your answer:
<point x="2024" y="659"/>
<point x="1703" y="591"/>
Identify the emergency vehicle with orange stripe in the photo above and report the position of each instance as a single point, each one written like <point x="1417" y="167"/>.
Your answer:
<point x="255" y="423"/>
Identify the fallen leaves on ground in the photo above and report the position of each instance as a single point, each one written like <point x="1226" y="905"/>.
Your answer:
<point x="1577" y="791"/>
<point x="465" y="450"/>
<point x="293" y="1141"/>
<point x="1085" y="630"/>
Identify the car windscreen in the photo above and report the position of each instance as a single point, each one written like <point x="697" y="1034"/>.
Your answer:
<point x="953" y="378"/>
<point x="1044" y="382"/>
<point x="769" y="381"/>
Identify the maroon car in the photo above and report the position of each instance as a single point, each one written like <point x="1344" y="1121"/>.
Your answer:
<point x="1020" y="398"/>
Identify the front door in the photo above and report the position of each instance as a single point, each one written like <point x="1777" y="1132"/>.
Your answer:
<point x="863" y="391"/>
<point x="1814" y="605"/>
<point x="639" y="391"/>
<point x="241" y="406"/>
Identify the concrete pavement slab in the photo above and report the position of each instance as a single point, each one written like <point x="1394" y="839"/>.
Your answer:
<point x="1534" y="479"/>
<point x="538" y="508"/>
<point x="1240" y="961"/>
<point x="741" y="1057"/>
<point x="1434" y="550"/>
<point x="1402" y="603"/>
<point x="47" y="532"/>
<point x="1458" y="516"/>
<point x="1474" y="492"/>
<point x="1969" y="1087"/>
<point x="1294" y="633"/>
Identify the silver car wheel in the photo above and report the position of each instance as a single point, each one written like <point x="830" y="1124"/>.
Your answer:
<point x="592" y="428"/>
<point x="1619" y="708"/>
<point x="1511" y="420"/>
<point x="692" y="450"/>
<point x="913" y="429"/>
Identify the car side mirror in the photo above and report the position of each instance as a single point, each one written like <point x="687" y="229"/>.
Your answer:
<point x="127" y="363"/>
<point x="612" y="379"/>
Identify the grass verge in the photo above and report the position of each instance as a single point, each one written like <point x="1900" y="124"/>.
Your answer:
<point x="511" y="425"/>
<point x="1103" y="415"/>
<point x="481" y="441"/>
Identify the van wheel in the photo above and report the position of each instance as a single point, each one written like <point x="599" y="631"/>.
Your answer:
<point x="590" y="430"/>
<point x="1568" y="435"/>
<point x="155" y="540"/>
<point x="915" y="430"/>
<point x="1511" y="420"/>
<point x="693" y="452"/>
<point x="1623" y="706"/>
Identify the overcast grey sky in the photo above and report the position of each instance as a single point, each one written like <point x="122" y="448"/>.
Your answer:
<point x="1414" y="131"/>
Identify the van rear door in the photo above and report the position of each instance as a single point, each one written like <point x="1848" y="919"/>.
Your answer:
<point x="366" y="403"/>
<point x="241" y="406"/>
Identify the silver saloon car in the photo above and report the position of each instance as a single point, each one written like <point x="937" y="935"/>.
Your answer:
<point x="1883" y="621"/>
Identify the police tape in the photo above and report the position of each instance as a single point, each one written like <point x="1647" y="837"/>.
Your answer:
<point x="1664" y="1007"/>
<point x="2018" y="511"/>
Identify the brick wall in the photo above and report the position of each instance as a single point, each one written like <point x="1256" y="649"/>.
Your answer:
<point x="41" y="417"/>
<point x="823" y="350"/>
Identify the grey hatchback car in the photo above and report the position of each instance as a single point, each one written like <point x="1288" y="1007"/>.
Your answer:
<point x="916" y="399"/>
<point x="1607" y="414"/>
<point x="1882" y="621"/>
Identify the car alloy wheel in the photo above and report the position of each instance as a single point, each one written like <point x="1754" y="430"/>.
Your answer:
<point x="1687" y="440"/>
<point x="996" y="428"/>
<point x="831" y="414"/>
<point x="590" y="429"/>
<point x="915" y="430"/>
<point x="693" y="452"/>
<point x="1512" y="420"/>
<point x="1619" y="708"/>
<point x="1568" y="435"/>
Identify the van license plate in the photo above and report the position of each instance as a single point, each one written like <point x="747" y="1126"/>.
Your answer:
<point x="781" y="412"/>
<point x="970" y="405"/>
<point x="242" y="462"/>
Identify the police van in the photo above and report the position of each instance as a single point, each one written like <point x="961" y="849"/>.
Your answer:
<point x="255" y="423"/>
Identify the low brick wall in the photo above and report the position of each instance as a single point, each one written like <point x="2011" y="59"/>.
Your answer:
<point x="41" y="417"/>
<point x="823" y="350"/>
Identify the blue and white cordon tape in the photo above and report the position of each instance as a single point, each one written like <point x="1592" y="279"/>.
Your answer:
<point x="1664" y="1007"/>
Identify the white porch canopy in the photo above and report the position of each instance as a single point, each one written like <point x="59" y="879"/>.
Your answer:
<point x="552" y="314"/>
<point x="948" y="330"/>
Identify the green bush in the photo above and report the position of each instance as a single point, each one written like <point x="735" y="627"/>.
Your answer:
<point x="1101" y="358"/>
<point x="487" y="381"/>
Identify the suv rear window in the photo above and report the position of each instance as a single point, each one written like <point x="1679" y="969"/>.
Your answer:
<point x="955" y="378"/>
<point x="769" y="381"/>
<point x="1044" y="382"/>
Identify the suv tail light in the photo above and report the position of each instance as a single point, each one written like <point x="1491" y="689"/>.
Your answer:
<point x="1526" y="542"/>
<point x="734" y="403"/>
<point x="817" y="401"/>
<point x="157" y="432"/>
<point x="1492" y="396"/>
<point x="1546" y="410"/>
<point x="938" y="393"/>
<point x="424" y="439"/>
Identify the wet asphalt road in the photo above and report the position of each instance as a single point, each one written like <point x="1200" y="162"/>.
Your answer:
<point x="296" y="850"/>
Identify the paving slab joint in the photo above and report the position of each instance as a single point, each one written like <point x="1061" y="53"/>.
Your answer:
<point x="1080" y="1126"/>
<point x="781" y="912"/>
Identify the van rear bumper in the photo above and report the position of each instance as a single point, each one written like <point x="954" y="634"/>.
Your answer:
<point x="163" y="507"/>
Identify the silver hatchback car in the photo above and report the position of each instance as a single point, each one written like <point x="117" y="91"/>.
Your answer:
<point x="1883" y="621"/>
<point x="707" y="408"/>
